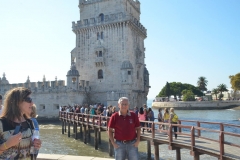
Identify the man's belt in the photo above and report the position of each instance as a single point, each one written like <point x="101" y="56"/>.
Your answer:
<point x="125" y="141"/>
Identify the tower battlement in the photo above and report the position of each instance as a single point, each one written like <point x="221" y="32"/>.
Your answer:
<point x="108" y="20"/>
<point x="94" y="8"/>
<point x="134" y="3"/>
<point x="46" y="86"/>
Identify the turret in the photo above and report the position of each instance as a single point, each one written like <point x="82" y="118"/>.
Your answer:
<point x="4" y="79"/>
<point x="73" y="77"/>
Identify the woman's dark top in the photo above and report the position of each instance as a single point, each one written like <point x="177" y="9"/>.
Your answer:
<point x="22" y="150"/>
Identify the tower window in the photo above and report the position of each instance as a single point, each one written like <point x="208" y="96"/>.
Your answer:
<point x="101" y="35"/>
<point x="137" y="74"/>
<point x="129" y="72"/>
<point x="92" y="20"/>
<point x="42" y="106"/>
<point x="98" y="36"/>
<point x="100" y="54"/>
<point x="101" y="17"/>
<point x="86" y="21"/>
<point x="100" y="74"/>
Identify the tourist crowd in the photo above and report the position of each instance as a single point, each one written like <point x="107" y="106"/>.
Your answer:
<point x="96" y="109"/>
<point x="144" y="114"/>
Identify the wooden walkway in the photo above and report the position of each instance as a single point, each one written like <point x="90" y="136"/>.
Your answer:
<point x="189" y="136"/>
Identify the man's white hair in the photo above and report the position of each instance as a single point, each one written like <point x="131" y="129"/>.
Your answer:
<point x="121" y="99"/>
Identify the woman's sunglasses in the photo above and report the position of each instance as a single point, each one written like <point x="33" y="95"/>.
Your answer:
<point x="28" y="100"/>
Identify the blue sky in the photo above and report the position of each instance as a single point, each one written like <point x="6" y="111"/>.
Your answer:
<point x="185" y="40"/>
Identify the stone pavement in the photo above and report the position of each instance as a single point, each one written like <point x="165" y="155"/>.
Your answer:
<point x="67" y="157"/>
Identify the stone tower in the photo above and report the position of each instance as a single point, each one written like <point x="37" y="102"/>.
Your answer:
<point x="110" y="51"/>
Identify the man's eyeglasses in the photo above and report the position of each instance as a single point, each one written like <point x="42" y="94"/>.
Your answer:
<point x="28" y="100"/>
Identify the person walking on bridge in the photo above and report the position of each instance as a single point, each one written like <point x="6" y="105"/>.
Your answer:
<point x="126" y="128"/>
<point x="173" y="119"/>
<point x="166" y="118"/>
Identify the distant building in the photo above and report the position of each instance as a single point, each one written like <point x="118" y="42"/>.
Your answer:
<point x="235" y="95"/>
<point x="107" y="63"/>
<point x="226" y="96"/>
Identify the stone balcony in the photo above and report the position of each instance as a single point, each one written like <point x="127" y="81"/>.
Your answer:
<point x="99" y="61"/>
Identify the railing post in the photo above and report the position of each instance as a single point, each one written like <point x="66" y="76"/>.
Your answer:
<point x="222" y="130"/>
<point x="199" y="131"/>
<point x="66" y="116"/>
<point x="76" y="133"/>
<point x="170" y="135"/>
<point x="78" y="119"/>
<point x="100" y="121"/>
<point x="179" y="128"/>
<point x="65" y="129"/>
<point x="73" y="117"/>
<point x="156" y="151"/>
<point x="99" y="129"/>
<point x="178" y="154"/>
<point x="85" y="134"/>
<point x="89" y="129"/>
<point x="62" y="126"/>
<point x="93" y="120"/>
<point x="193" y="152"/>
<point x="88" y="119"/>
<point x="96" y="138"/>
<point x="82" y="117"/>
<point x="221" y="143"/>
<point x="153" y="130"/>
<point x="192" y="139"/>
<point x="68" y="129"/>
<point x="81" y="132"/>
<point x="65" y="126"/>
<point x="149" y="149"/>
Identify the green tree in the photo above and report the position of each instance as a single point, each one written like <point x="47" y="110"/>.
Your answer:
<point x="177" y="88"/>
<point x="202" y="83"/>
<point x="188" y="95"/>
<point x="235" y="82"/>
<point x="194" y="89"/>
<point x="162" y="93"/>
<point x="215" y="92"/>
<point x="222" y="88"/>
<point x="168" y="90"/>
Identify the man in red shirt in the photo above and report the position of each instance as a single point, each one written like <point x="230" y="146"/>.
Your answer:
<point x="126" y="128"/>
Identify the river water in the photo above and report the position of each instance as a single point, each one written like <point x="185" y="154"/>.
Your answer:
<point x="56" y="143"/>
